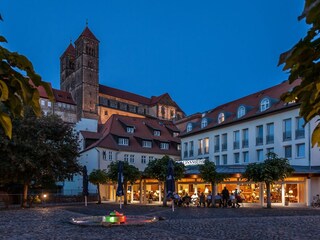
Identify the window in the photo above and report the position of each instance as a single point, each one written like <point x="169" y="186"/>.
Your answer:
<point x="110" y="156"/>
<point x="245" y="157"/>
<point x="216" y="143"/>
<point x="131" y="158"/>
<point x="123" y="141"/>
<point x="204" y="122"/>
<point x="300" y="150"/>
<point x="221" y="118"/>
<point x="206" y="145"/>
<point x="113" y="104"/>
<point x="288" y="151"/>
<point x="245" y="138"/>
<point x="224" y="145"/>
<point x="146" y="144"/>
<point x="236" y="158"/>
<point x="132" y="108"/>
<point x="156" y="133"/>
<point x="151" y="158"/>
<point x="225" y="159"/>
<point x="130" y="129"/>
<point x="43" y="103"/>
<point x="241" y="111"/>
<point x="200" y="146"/>
<point x="49" y="104"/>
<point x="264" y="104"/>
<point x="143" y="159"/>
<point x="191" y="149"/>
<point x="104" y="155"/>
<point x="126" y="157"/>
<point x="236" y="140"/>
<point x="270" y="133"/>
<point x="259" y="134"/>
<point x="105" y="113"/>
<point x="175" y="134"/>
<point x="164" y="146"/>
<point x="189" y="127"/>
<point x="260" y="155"/>
<point x="179" y="147"/>
<point x="217" y="160"/>
<point x="270" y="150"/>
<point x="185" y="149"/>
<point x="287" y="129"/>
<point x="299" y="128"/>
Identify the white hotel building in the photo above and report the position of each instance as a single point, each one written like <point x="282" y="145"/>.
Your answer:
<point x="243" y="131"/>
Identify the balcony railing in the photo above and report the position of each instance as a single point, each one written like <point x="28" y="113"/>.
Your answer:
<point x="270" y="139"/>
<point x="216" y="148"/>
<point x="287" y="136"/>
<point x="299" y="133"/>
<point x="236" y="145"/>
<point x="259" y="140"/>
<point x="245" y="143"/>
<point x="224" y="147"/>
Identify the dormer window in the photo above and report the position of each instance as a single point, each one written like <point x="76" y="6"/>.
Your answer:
<point x="241" y="111"/>
<point x="175" y="134"/>
<point x="123" y="141"/>
<point x="189" y="127"/>
<point x="164" y="146"/>
<point x="204" y="123"/>
<point x="156" y="133"/>
<point x="264" y="104"/>
<point x="130" y="129"/>
<point x="221" y="118"/>
<point x="146" y="144"/>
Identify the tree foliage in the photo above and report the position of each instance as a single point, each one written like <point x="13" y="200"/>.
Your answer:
<point x="271" y="170"/>
<point x="16" y="89"/>
<point x="97" y="177"/>
<point x="302" y="62"/>
<point x="209" y="174"/>
<point x="158" y="169"/>
<point x="40" y="150"/>
<point x="130" y="174"/>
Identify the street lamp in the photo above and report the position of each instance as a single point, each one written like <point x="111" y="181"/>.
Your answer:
<point x="44" y="196"/>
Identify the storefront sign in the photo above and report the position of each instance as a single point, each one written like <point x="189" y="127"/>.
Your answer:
<point x="193" y="162"/>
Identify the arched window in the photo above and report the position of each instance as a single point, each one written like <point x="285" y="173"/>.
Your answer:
<point x="264" y="104"/>
<point x="204" y="122"/>
<point x="189" y="127"/>
<point x="241" y="111"/>
<point x="221" y="118"/>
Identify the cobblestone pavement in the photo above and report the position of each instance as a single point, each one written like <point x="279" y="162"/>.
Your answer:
<point x="183" y="223"/>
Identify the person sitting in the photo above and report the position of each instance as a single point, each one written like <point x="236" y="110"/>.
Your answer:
<point x="218" y="200"/>
<point x="186" y="200"/>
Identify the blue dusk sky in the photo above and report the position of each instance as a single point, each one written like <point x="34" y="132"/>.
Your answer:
<point x="203" y="53"/>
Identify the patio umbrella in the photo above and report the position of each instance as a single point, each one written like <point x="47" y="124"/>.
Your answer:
<point x="120" y="181"/>
<point x="85" y="191"/>
<point x="170" y="184"/>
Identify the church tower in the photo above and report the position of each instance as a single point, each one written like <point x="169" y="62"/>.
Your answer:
<point x="67" y="64"/>
<point x="86" y="75"/>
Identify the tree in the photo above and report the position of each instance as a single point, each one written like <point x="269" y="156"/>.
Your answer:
<point x="209" y="174"/>
<point x="271" y="170"/>
<point x="302" y="61"/>
<point x="40" y="150"/>
<point x="17" y="90"/>
<point x="130" y="174"/>
<point x="157" y="169"/>
<point x="98" y="177"/>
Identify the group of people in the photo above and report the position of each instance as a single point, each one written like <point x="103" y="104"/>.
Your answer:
<point x="225" y="199"/>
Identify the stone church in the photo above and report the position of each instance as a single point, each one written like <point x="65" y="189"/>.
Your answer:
<point x="79" y="75"/>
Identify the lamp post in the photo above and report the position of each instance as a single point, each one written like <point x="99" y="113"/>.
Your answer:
<point x="44" y="196"/>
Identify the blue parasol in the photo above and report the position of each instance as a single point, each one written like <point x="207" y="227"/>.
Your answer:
<point x="170" y="184"/>
<point x="120" y="181"/>
<point x="85" y="182"/>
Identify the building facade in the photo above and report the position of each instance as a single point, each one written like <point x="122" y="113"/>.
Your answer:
<point x="244" y="131"/>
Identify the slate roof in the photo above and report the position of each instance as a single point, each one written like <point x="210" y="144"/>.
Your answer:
<point x="88" y="34"/>
<point x="116" y="127"/>
<point x="252" y="105"/>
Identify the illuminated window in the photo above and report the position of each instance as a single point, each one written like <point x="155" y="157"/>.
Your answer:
<point x="221" y="118"/>
<point x="265" y="104"/>
<point x="241" y="111"/>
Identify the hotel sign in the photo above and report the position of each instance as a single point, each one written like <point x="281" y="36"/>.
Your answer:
<point x="192" y="162"/>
